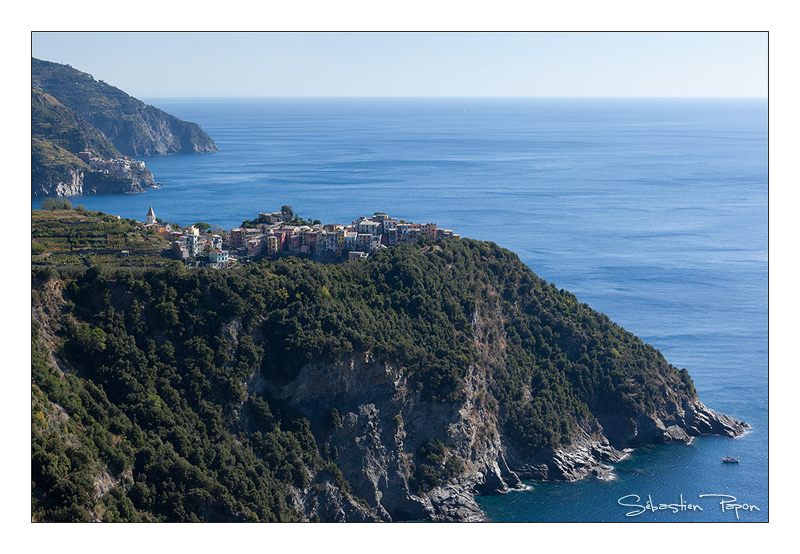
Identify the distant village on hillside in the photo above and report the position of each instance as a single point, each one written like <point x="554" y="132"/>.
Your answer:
<point x="124" y="166"/>
<point x="281" y="233"/>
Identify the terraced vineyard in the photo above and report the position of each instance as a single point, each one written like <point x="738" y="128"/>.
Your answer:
<point x="76" y="236"/>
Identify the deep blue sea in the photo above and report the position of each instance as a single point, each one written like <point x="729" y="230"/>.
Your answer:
<point x="653" y="211"/>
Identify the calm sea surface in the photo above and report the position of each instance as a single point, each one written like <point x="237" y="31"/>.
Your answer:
<point x="653" y="212"/>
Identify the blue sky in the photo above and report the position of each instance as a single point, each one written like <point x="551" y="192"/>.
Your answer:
<point x="187" y="64"/>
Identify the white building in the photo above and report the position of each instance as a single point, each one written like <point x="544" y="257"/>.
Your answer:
<point x="193" y="244"/>
<point x="219" y="258"/>
<point x="369" y="227"/>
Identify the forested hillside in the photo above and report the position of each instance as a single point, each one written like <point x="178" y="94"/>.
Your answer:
<point x="154" y="391"/>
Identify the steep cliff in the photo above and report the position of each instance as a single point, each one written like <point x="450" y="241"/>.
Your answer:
<point x="385" y="426"/>
<point x="550" y="391"/>
<point x="57" y="172"/>
<point x="133" y="127"/>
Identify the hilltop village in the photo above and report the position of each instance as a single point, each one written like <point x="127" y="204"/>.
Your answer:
<point x="276" y="234"/>
<point x="123" y="166"/>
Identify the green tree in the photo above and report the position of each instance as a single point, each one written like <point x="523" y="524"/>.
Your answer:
<point x="56" y="204"/>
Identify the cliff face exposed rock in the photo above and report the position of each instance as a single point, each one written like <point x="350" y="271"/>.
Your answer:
<point x="384" y="423"/>
<point x="74" y="182"/>
<point x="150" y="131"/>
<point x="66" y="183"/>
<point x="672" y="423"/>
<point x="325" y="502"/>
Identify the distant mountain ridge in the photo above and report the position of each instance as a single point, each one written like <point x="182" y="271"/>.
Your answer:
<point x="133" y="127"/>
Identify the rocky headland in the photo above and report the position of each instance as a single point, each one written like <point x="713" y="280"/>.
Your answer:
<point x="71" y="112"/>
<point x="384" y="422"/>
<point x="392" y="388"/>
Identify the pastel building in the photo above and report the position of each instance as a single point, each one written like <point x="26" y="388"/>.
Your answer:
<point x="237" y="238"/>
<point x="273" y="245"/>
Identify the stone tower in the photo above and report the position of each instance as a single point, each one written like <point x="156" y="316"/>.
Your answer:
<point x="151" y="216"/>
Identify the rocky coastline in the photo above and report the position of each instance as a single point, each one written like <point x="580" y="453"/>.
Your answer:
<point x="72" y="181"/>
<point x="384" y="422"/>
<point x="72" y="113"/>
<point x="352" y="436"/>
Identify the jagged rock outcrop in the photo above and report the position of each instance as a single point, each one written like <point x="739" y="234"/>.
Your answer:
<point x="673" y="423"/>
<point x="589" y="454"/>
<point x="70" y="181"/>
<point x="65" y="183"/>
<point x="384" y="422"/>
<point x="325" y="502"/>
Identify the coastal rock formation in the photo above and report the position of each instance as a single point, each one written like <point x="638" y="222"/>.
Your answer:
<point x="70" y="181"/>
<point x="72" y="113"/>
<point x="150" y="131"/>
<point x="673" y="422"/>
<point x="384" y="423"/>
<point x="393" y="388"/>
<point x="325" y="502"/>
